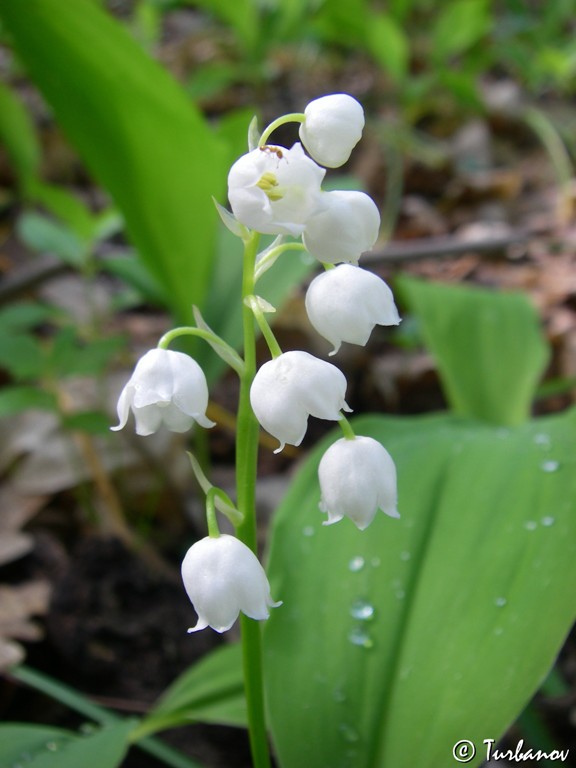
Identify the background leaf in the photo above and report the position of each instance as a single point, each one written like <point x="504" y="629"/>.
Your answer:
<point x="389" y="45"/>
<point x="136" y="132"/>
<point x="458" y="26"/>
<point x="488" y="346"/>
<point x="17" y="398"/>
<point x="40" y="747"/>
<point x="47" y="236"/>
<point x="18" y="136"/>
<point x="22" y="355"/>
<point x="427" y="618"/>
<point x="210" y="691"/>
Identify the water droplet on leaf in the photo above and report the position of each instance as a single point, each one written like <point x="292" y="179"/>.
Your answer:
<point x="362" y="610"/>
<point x="542" y="439"/>
<point x="359" y="636"/>
<point x="349" y="733"/>
<point x="339" y="696"/>
<point x="356" y="564"/>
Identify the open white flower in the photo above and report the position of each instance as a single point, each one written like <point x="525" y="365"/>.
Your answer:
<point x="357" y="477"/>
<point x="274" y="190"/>
<point x="345" y="303"/>
<point x="331" y="129"/>
<point x="344" y="226"/>
<point x="222" y="577"/>
<point x="292" y="387"/>
<point x="168" y="388"/>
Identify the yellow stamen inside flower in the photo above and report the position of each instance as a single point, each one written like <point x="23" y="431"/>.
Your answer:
<point x="267" y="184"/>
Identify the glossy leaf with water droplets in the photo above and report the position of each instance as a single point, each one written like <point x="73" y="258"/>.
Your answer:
<point x="483" y="557"/>
<point x="37" y="746"/>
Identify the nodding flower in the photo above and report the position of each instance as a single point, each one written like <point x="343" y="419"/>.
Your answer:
<point x="331" y="129"/>
<point x="292" y="387"/>
<point x="357" y="478"/>
<point x="345" y="303"/>
<point x="167" y="388"/>
<point x="222" y="577"/>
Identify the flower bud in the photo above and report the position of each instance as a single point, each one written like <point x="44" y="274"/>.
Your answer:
<point x="292" y="387"/>
<point x="274" y="190"/>
<point x="168" y="388"/>
<point x="357" y="477"/>
<point x="345" y="303"/>
<point x="331" y="129"/>
<point x="222" y="577"/>
<point x="344" y="226"/>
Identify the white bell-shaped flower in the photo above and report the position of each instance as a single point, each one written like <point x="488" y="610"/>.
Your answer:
<point x="345" y="225"/>
<point x="292" y="387"/>
<point x="168" y="388"/>
<point x="345" y="303"/>
<point x="275" y="190"/>
<point x="357" y="477"/>
<point x="222" y="577"/>
<point x="331" y="129"/>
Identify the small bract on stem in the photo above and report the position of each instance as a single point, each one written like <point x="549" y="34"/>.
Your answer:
<point x="277" y="190"/>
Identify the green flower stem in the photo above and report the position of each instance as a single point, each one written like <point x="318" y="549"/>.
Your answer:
<point x="232" y="356"/>
<point x="346" y="428"/>
<point x="293" y="117"/>
<point x="226" y="506"/>
<point x="211" y="520"/>
<point x="246" y="467"/>
<point x="271" y="255"/>
<point x="264" y="326"/>
<point x="220" y="500"/>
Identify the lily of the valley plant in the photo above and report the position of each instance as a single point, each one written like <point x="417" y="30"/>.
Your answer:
<point x="277" y="190"/>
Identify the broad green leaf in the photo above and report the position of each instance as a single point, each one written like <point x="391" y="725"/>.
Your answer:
<point x="26" y="315"/>
<point x="394" y="643"/>
<point x="21" y="355"/>
<point x="134" y="272"/>
<point x="211" y="691"/>
<point x="48" y="236"/>
<point x="16" y="399"/>
<point x="389" y="45"/>
<point x="488" y="347"/>
<point x="241" y="15"/>
<point x="136" y="131"/>
<point x="343" y="21"/>
<point x="64" y="206"/>
<point x="77" y="701"/>
<point x="18" y="136"/>
<point x="39" y="747"/>
<point x="463" y="86"/>
<point x="458" y="26"/>
<point x="71" y="356"/>
<point x="25" y="741"/>
<point x="212" y="79"/>
<point x="93" y="422"/>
